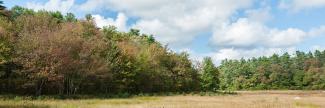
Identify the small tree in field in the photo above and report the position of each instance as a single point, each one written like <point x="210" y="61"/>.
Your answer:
<point x="210" y="76"/>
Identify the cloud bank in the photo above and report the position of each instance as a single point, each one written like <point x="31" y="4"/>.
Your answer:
<point x="179" y="22"/>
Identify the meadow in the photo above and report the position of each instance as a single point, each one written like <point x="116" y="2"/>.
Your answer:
<point x="242" y="99"/>
<point x="62" y="60"/>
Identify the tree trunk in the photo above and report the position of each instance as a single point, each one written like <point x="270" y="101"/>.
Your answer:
<point x="40" y="87"/>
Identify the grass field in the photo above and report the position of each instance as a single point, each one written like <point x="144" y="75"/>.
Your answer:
<point x="243" y="99"/>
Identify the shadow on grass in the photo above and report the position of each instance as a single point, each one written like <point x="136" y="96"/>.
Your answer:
<point x="109" y="96"/>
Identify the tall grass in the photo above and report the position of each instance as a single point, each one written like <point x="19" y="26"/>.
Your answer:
<point x="248" y="99"/>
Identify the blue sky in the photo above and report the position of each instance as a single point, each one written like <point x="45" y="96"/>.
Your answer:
<point x="221" y="29"/>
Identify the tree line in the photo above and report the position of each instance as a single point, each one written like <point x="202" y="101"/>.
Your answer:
<point x="301" y="71"/>
<point x="44" y="52"/>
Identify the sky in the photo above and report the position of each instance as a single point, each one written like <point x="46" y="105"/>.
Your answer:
<point x="221" y="29"/>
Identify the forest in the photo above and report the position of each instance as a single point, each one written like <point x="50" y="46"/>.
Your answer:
<point x="48" y="53"/>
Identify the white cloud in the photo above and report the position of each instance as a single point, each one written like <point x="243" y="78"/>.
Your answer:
<point x="320" y="31"/>
<point x="164" y="33"/>
<point x="63" y="6"/>
<point x="231" y="53"/>
<point x="259" y="15"/>
<point x="297" y="5"/>
<point x="250" y="37"/>
<point x="285" y="38"/>
<point x="92" y="5"/>
<point x="175" y="22"/>
<point x="317" y="47"/>
<point x="246" y="38"/>
<point x="178" y="22"/>
<point x="119" y="22"/>
<point x="245" y="33"/>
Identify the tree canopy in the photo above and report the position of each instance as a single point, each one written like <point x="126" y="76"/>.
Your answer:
<point x="42" y="50"/>
<point x="298" y="71"/>
<point x="210" y="75"/>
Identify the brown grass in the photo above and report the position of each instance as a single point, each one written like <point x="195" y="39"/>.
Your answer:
<point x="244" y="99"/>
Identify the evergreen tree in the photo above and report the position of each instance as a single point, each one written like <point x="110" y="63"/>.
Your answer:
<point x="1" y="6"/>
<point x="2" y="9"/>
<point x="210" y="76"/>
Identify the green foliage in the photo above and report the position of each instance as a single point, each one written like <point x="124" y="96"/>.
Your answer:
<point x="301" y="71"/>
<point x="210" y="76"/>
<point x="17" y="11"/>
<point x="5" y="50"/>
<point x="43" y="50"/>
<point x="134" y="32"/>
<point x="70" y="17"/>
<point x="57" y="15"/>
<point x="111" y="33"/>
<point x="151" y="39"/>
<point x="89" y="17"/>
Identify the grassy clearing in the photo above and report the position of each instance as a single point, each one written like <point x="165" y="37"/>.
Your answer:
<point x="244" y="99"/>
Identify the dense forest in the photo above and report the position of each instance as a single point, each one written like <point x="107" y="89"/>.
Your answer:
<point x="44" y="52"/>
<point x="50" y="53"/>
<point x="299" y="71"/>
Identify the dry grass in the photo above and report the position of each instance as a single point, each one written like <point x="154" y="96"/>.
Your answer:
<point x="244" y="99"/>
